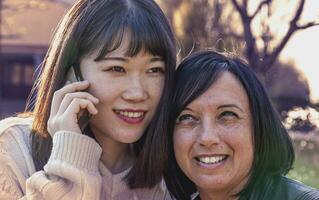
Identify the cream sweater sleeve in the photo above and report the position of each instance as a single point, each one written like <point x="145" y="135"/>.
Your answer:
<point x="71" y="172"/>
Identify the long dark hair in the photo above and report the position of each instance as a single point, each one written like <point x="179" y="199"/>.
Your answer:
<point x="273" y="150"/>
<point x="100" y="25"/>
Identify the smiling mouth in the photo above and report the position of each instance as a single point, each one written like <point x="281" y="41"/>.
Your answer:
<point x="131" y="117"/>
<point x="211" y="159"/>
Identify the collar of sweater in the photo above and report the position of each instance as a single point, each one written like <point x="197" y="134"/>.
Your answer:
<point x="113" y="183"/>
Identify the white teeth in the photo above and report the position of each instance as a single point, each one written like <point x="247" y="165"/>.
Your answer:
<point x="131" y="114"/>
<point x="211" y="160"/>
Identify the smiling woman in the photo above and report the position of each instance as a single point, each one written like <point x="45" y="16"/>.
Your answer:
<point x="226" y="140"/>
<point x="111" y="63"/>
<point x="213" y="138"/>
<point x="131" y="88"/>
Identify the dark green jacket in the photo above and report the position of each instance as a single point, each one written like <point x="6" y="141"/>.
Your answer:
<point x="287" y="189"/>
<point x="283" y="189"/>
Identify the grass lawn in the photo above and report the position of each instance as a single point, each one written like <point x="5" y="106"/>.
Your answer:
<point x="306" y="166"/>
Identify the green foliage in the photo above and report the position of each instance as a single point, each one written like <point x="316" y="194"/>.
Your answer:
<point x="306" y="166"/>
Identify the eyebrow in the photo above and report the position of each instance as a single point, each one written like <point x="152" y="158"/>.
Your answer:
<point x="187" y="108"/>
<point x="230" y="105"/>
<point x="125" y="59"/>
<point x="219" y="107"/>
<point x="156" y="58"/>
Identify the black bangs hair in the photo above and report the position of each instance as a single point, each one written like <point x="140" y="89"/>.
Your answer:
<point x="196" y="84"/>
<point x="273" y="150"/>
<point x="105" y="32"/>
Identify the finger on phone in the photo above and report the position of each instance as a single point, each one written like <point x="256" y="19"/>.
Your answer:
<point x="68" y="98"/>
<point x="77" y="104"/>
<point x="59" y="94"/>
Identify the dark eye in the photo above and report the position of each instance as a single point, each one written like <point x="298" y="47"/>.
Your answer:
<point x="116" y="69"/>
<point x="186" y="119"/>
<point x="156" y="70"/>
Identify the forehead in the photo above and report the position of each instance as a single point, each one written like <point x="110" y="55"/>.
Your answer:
<point x="227" y="89"/>
<point x="124" y="48"/>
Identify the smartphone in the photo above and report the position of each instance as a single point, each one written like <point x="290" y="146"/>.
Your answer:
<point x="84" y="116"/>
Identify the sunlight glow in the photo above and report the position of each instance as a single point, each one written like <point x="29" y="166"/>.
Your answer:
<point x="303" y="49"/>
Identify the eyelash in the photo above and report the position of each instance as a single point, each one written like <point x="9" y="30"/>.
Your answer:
<point x="156" y="70"/>
<point x="189" y="120"/>
<point x="184" y="117"/>
<point x="122" y="70"/>
<point x="228" y="114"/>
<point x="116" y="69"/>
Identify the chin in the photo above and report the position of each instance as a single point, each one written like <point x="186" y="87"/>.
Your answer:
<point x="211" y="183"/>
<point x="129" y="140"/>
<point x="128" y="137"/>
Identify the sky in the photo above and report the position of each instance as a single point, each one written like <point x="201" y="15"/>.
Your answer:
<point x="303" y="49"/>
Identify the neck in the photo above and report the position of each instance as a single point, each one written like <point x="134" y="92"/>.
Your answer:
<point x="215" y="196"/>
<point x="116" y="156"/>
<point x="222" y="194"/>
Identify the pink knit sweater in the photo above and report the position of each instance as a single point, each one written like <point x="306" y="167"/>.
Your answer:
<point x="73" y="171"/>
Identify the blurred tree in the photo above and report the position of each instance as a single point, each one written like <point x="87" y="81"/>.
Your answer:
<point x="256" y="30"/>
<point x="259" y="30"/>
<point x="287" y="92"/>
<point x="197" y="23"/>
<point x="262" y="57"/>
<point x="7" y="31"/>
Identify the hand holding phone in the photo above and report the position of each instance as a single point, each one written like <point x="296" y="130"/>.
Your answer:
<point x="83" y="116"/>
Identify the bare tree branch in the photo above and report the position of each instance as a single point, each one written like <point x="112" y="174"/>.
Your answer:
<point x="266" y="38"/>
<point x="218" y="25"/>
<point x="217" y="10"/>
<point x="251" y="51"/>
<point x="238" y="7"/>
<point x="271" y="58"/>
<point x="298" y="13"/>
<point x="263" y="3"/>
<point x="261" y="59"/>
<point x="308" y="25"/>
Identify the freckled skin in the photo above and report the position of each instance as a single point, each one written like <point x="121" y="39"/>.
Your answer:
<point x="216" y="123"/>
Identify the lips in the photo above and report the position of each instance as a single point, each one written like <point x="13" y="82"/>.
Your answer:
<point x="211" y="159"/>
<point x="211" y="162"/>
<point x="131" y="116"/>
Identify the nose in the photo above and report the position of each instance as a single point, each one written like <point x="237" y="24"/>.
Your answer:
<point x="209" y="135"/>
<point x="135" y="90"/>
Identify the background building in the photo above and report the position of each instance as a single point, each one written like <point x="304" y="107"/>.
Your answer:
<point x="25" y="31"/>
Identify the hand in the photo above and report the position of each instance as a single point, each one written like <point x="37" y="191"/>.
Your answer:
<point x="67" y="103"/>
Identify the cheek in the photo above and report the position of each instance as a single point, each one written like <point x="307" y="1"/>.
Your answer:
<point x="105" y="90"/>
<point x="242" y="145"/>
<point x="155" y="87"/>
<point x="176" y="142"/>
<point x="248" y="153"/>
<point x="182" y="146"/>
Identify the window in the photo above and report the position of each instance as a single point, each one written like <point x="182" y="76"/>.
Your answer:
<point x="15" y="74"/>
<point x="16" y="78"/>
<point x="28" y="75"/>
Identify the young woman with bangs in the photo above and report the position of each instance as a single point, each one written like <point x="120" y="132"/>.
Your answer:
<point x="85" y="137"/>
